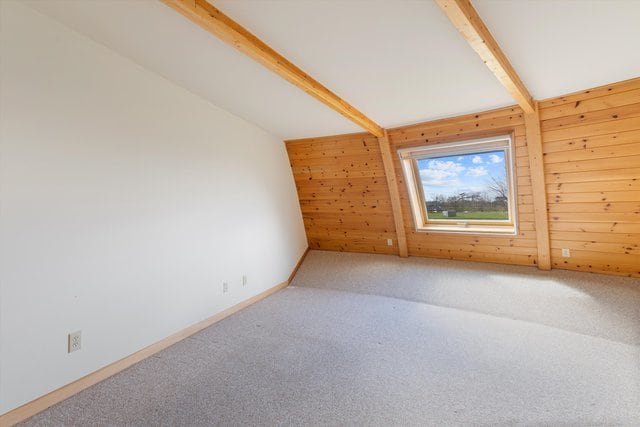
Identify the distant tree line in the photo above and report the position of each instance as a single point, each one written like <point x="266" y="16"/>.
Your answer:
<point x="494" y="198"/>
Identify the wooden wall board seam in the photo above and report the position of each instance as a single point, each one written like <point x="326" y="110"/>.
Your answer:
<point x="512" y="110"/>
<point x="591" y="130"/>
<point x="612" y="151"/>
<point x="599" y="116"/>
<point x="597" y="92"/>
<point x="594" y="104"/>
<point x="603" y="140"/>
<point x="319" y="139"/>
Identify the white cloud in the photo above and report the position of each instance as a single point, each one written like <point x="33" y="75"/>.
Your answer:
<point x="448" y="166"/>
<point x="494" y="158"/>
<point x="460" y="158"/>
<point x="476" y="160"/>
<point x="441" y="173"/>
<point x="449" y="183"/>
<point x="436" y="177"/>
<point x="478" y="171"/>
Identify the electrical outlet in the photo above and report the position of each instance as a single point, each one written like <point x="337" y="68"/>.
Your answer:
<point x="566" y="252"/>
<point x="225" y="287"/>
<point x="244" y="280"/>
<point x="74" y="341"/>
<point x="389" y="242"/>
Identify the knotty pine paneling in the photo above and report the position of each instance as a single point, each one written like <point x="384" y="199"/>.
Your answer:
<point x="518" y="249"/>
<point x="343" y="193"/>
<point x="591" y="145"/>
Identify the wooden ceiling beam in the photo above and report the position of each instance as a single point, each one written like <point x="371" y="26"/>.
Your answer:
<point x="217" y="23"/>
<point x="465" y="18"/>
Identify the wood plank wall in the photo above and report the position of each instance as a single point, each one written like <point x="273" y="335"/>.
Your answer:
<point x="519" y="249"/>
<point x="343" y="193"/>
<point x="591" y="145"/>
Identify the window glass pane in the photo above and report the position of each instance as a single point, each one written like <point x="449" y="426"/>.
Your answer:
<point x="466" y="186"/>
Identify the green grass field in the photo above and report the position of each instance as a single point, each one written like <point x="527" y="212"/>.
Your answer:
<point x="471" y="215"/>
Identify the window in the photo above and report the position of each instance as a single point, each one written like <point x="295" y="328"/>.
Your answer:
<point x="462" y="187"/>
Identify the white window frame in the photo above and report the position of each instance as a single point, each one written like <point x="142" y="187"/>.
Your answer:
<point x="409" y="159"/>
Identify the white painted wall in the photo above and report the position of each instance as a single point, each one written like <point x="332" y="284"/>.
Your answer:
<point x="125" y="203"/>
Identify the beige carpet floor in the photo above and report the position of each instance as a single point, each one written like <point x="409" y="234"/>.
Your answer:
<point x="377" y="340"/>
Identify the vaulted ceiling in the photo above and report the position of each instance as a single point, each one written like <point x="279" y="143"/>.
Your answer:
<point x="398" y="62"/>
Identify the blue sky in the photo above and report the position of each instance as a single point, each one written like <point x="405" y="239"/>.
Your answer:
<point x="461" y="173"/>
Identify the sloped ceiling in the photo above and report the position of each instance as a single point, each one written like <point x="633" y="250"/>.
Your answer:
<point x="399" y="62"/>
<point x="159" y="39"/>
<point x="564" y="46"/>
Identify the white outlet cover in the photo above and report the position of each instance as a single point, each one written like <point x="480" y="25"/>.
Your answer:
<point x="225" y="287"/>
<point x="389" y="242"/>
<point x="566" y="252"/>
<point x="74" y="341"/>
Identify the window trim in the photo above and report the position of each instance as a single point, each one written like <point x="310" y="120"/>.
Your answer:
<point x="409" y="161"/>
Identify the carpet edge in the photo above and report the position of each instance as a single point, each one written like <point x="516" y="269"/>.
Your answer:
<point x="41" y="403"/>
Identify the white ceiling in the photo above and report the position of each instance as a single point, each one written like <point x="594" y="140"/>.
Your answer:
<point x="159" y="39"/>
<point x="399" y="62"/>
<point x="563" y="46"/>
